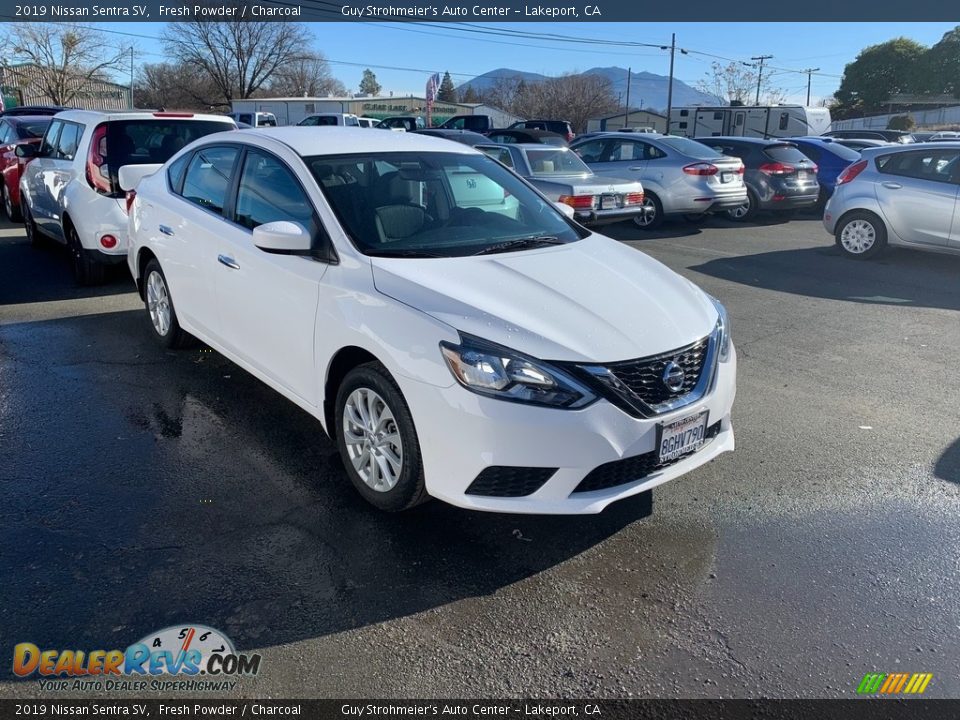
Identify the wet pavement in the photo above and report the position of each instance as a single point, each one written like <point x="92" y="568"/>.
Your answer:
<point x="141" y="488"/>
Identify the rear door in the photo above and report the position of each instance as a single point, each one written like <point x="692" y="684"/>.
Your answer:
<point x="917" y="192"/>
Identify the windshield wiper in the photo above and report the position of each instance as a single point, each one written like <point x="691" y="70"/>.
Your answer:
<point x="409" y="253"/>
<point x="520" y="243"/>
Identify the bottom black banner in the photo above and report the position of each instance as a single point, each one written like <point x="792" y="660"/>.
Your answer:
<point x="872" y="709"/>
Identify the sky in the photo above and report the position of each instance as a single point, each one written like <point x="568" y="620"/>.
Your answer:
<point x="402" y="55"/>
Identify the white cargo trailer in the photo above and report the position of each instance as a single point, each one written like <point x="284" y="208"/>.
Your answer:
<point x="749" y="121"/>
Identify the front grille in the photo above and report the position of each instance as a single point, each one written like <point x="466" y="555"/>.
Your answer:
<point x="628" y="470"/>
<point x="504" y="481"/>
<point x="644" y="377"/>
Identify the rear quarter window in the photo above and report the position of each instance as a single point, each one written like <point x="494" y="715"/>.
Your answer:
<point x="843" y="152"/>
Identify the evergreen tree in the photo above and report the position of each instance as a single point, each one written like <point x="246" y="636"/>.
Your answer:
<point x="447" y="92"/>
<point x="369" y="84"/>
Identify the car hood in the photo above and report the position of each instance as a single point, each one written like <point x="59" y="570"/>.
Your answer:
<point x="595" y="300"/>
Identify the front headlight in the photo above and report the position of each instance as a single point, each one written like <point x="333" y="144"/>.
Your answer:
<point x="489" y="369"/>
<point x="723" y="328"/>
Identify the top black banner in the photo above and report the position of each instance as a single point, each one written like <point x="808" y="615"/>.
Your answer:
<point x="576" y="11"/>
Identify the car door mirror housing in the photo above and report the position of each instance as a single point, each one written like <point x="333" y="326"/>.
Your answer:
<point x="283" y="236"/>
<point x="27" y="150"/>
<point x="565" y="209"/>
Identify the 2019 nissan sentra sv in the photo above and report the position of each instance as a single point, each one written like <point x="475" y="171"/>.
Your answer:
<point x="452" y="329"/>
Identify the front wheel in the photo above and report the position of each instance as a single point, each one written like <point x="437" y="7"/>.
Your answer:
<point x="13" y="213"/>
<point x="159" y="304"/>
<point x="651" y="213"/>
<point x="861" y="235"/>
<point x="747" y="211"/>
<point x="378" y="440"/>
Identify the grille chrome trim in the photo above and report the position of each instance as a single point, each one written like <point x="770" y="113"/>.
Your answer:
<point x="606" y="381"/>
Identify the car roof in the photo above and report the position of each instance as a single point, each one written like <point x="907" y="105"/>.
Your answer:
<point x="306" y="141"/>
<point x="533" y="132"/>
<point x="17" y="119"/>
<point x="746" y="140"/>
<point x="113" y="115"/>
<point x="870" y="152"/>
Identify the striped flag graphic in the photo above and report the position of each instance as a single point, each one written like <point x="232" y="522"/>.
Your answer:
<point x="894" y="683"/>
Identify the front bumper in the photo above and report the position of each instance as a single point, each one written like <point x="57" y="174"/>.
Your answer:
<point x="462" y="434"/>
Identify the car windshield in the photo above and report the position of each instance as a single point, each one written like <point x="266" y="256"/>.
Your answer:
<point x="555" y="162"/>
<point x="33" y="129"/>
<point x="690" y="148"/>
<point x="436" y="204"/>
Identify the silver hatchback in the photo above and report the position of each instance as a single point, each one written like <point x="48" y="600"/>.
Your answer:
<point x="679" y="176"/>
<point x="897" y="195"/>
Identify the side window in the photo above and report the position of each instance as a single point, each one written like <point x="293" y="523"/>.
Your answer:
<point x="457" y="124"/>
<point x="268" y="192"/>
<point x="683" y="125"/>
<point x="309" y="121"/>
<point x="6" y="134"/>
<point x="68" y="141"/>
<point x="684" y="113"/>
<point x="50" y="138"/>
<point x="935" y="165"/>
<point x="592" y="152"/>
<point x="501" y="154"/>
<point x="208" y="177"/>
<point x="718" y="115"/>
<point x="651" y="152"/>
<point x="246" y="118"/>
<point x="627" y="150"/>
<point x="175" y="172"/>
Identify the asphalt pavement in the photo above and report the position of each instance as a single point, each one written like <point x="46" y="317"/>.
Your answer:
<point x="141" y="488"/>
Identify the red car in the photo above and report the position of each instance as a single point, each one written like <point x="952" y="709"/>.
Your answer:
<point x="17" y="130"/>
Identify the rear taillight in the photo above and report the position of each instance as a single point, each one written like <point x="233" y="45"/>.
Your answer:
<point x="851" y="171"/>
<point x="579" y="202"/>
<point x="570" y="137"/>
<point x="98" y="174"/>
<point x="742" y="169"/>
<point x="131" y="196"/>
<point x="776" y="168"/>
<point x="701" y="169"/>
<point x="633" y="199"/>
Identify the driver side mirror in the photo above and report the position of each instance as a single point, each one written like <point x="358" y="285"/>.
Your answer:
<point x="27" y="150"/>
<point x="565" y="209"/>
<point x="283" y="236"/>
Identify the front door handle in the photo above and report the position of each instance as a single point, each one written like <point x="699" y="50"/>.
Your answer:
<point x="228" y="261"/>
<point x="166" y="230"/>
<point x="636" y="167"/>
<point x="892" y="185"/>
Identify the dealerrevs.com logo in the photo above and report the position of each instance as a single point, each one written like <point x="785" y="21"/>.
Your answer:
<point x="183" y="657"/>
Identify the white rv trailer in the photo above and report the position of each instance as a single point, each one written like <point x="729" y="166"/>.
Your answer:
<point x="749" y="121"/>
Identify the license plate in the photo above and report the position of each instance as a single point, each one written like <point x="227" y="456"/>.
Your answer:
<point x="726" y="177"/>
<point x="608" y="202"/>
<point x="681" y="437"/>
<point x="802" y="176"/>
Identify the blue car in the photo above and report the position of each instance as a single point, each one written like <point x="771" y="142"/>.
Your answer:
<point x="831" y="158"/>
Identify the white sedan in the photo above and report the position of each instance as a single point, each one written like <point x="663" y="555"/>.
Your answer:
<point x="455" y="332"/>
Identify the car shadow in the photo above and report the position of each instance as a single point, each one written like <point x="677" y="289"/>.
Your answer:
<point x="898" y="277"/>
<point x="29" y="275"/>
<point x="143" y="488"/>
<point x="948" y="465"/>
<point x="629" y="232"/>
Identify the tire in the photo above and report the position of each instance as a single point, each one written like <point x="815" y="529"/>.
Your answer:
<point x="37" y="239"/>
<point x="747" y="211"/>
<point x="159" y="305"/>
<point x="389" y="475"/>
<point x="652" y="215"/>
<point x="85" y="270"/>
<point x="861" y="235"/>
<point x="12" y="211"/>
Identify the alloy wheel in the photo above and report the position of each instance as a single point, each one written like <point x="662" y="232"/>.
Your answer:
<point x="741" y="211"/>
<point x="372" y="439"/>
<point x="648" y="213"/>
<point x="158" y="303"/>
<point x="858" y="236"/>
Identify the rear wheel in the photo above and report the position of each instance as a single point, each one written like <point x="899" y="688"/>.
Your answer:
<point x="378" y="440"/>
<point x="651" y="213"/>
<point x="861" y="235"/>
<point x="85" y="270"/>
<point x="13" y="213"/>
<point x="159" y="304"/>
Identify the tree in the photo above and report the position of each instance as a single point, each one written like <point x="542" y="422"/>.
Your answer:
<point x="878" y="72"/>
<point x="308" y="76"/>
<point x="447" y="92"/>
<point x="66" y="57"/>
<point x="176" y="86"/>
<point x="369" y="84"/>
<point x="941" y="66"/>
<point x="238" y="56"/>
<point x="736" y="82"/>
<point x="900" y="122"/>
<point x="470" y="95"/>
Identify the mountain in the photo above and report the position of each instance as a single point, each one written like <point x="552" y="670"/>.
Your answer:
<point x="647" y="87"/>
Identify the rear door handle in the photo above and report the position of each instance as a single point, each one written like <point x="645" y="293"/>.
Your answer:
<point x="166" y="230"/>
<point x="228" y="261"/>
<point x="892" y="185"/>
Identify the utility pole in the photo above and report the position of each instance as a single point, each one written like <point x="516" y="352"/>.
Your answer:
<point x="626" y="105"/>
<point x="761" y="58"/>
<point x="131" y="77"/>
<point x="673" y="50"/>
<point x="809" y="72"/>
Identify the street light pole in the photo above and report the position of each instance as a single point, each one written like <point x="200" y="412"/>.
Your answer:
<point x="809" y="72"/>
<point x="673" y="50"/>
<point x="626" y="105"/>
<point x="761" y="58"/>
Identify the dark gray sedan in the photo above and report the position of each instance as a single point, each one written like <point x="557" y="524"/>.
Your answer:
<point x="563" y="177"/>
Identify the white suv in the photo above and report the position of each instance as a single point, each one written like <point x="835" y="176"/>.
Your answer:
<point x="70" y="192"/>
